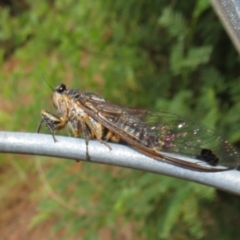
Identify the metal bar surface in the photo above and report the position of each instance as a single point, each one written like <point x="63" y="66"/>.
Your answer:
<point x="229" y="13"/>
<point x="120" y="155"/>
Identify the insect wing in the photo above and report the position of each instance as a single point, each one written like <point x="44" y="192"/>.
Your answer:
<point x="191" y="139"/>
<point x="165" y="136"/>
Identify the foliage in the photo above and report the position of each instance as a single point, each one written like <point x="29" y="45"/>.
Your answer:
<point x="155" y="54"/>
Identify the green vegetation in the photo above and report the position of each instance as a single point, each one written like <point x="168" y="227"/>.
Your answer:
<point x="160" y="55"/>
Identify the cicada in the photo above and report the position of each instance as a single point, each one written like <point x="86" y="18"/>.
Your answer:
<point x="160" y="135"/>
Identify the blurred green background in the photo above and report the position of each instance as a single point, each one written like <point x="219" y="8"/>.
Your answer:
<point x="161" y="55"/>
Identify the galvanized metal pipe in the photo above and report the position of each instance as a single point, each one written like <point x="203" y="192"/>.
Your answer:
<point x="229" y="14"/>
<point x="120" y="155"/>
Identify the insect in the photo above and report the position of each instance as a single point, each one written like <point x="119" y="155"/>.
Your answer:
<point x="160" y="135"/>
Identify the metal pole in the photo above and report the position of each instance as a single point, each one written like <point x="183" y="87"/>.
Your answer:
<point x="120" y="155"/>
<point x="229" y="13"/>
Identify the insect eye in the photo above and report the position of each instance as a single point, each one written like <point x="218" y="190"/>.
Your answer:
<point x="60" y="88"/>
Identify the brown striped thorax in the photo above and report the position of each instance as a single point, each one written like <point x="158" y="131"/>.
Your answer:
<point x="160" y="135"/>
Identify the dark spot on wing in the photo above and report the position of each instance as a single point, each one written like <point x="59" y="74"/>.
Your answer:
<point x="208" y="156"/>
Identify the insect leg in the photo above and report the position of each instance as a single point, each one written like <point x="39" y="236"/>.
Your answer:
<point x="52" y="122"/>
<point x="111" y="136"/>
<point x="87" y="135"/>
<point x="96" y="130"/>
<point x="79" y="126"/>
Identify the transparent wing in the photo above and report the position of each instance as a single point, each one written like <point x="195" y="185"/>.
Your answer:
<point x="189" y="138"/>
<point x="159" y="133"/>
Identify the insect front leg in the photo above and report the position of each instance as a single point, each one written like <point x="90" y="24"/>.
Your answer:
<point x="52" y="122"/>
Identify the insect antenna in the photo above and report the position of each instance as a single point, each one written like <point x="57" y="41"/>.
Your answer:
<point x="48" y="84"/>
